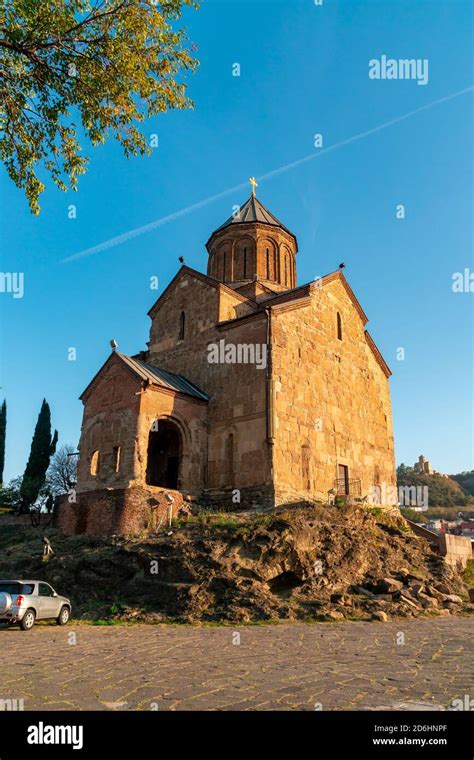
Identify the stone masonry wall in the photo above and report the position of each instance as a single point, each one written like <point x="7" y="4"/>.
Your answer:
<point x="331" y="398"/>
<point x="236" y="411"/>
<point x="190" y="416"/>
<point x="456" y="550"/>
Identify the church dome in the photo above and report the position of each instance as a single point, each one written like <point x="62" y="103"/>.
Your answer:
<point x="253" y="245"/>
<point x="253" y="211"/>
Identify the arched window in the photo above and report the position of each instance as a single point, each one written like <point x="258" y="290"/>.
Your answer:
<point x="339" y="326"/>
<point x="305" y="466"/>
<point x="245" y="263"/>
<point x="116" y="458"/>
<point x="229" y="463"/>
<point x="268" y="263"/>
<point x="95" y="463"/>
<point x="275" y="275"/>
<point x="286" y="271"/>
<point x="182" y="324"/>
<point x="224" y="266"/>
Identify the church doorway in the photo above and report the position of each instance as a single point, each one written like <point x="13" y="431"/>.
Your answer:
<point x="164" y="455"/>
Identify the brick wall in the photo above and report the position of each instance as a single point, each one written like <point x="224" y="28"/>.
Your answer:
<point x="110" y="420"/>
<point x="228" y="248"/>
<point x="120" y="511"/>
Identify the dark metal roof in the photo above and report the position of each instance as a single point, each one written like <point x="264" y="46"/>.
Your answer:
<point x="164" y="378"/>
<point x="253" y="211"/>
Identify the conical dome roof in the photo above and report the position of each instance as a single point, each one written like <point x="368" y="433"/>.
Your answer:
<point x="253" y="211"/>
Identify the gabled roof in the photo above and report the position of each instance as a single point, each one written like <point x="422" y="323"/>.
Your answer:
<point x="208" y="280"/>
<point x="166" y="379"/>
<point x="302" y="291"/>
<point x="154" y="376"/>
<point x="253" y="211"/>
<point x="259" y="289"/>
<point x="378" y="356"/>
<point x="300" y="295"/>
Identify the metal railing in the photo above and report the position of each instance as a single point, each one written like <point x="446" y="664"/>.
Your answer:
<point x="349" y="487"/>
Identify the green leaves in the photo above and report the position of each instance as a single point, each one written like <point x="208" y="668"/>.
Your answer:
<point x="111" y="63"/>
<point x="42" y="449"/>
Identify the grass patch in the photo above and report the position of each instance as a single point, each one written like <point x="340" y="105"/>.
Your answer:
<point x="468" y="573"/>
<point x="111" y="621"/>
<point x="376" y="512"/>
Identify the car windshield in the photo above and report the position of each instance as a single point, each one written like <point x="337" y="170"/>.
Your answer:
<point x="12" y="587"/>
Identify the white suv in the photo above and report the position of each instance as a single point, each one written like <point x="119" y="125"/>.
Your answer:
<point x="23" y="602"/>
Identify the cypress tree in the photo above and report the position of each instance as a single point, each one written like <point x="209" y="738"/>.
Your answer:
<point x="3" y="432"/>
<point x="42" y="449"/>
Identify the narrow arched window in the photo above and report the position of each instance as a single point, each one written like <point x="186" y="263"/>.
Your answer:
<point x="224" y="266"/>
<point x="182" y="325"/>
<point x="275" y="275"/>
<point x="116" y="458"/>
<point x="339" y="326"/>
<point x="94" y="467"/>
<point x="229" y="445"/>
<point x="306" y="466"/>
<point x="245" y="263"/>
<point x="286" y="271"/>
<point x="268" y="263"/>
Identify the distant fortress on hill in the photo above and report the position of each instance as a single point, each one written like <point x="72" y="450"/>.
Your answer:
<point x="423" y="467"/>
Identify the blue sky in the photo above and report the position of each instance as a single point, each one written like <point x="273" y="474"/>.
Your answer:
<point x="304" y="70"/>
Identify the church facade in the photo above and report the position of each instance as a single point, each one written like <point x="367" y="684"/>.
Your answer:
<point x="253" y="391"/>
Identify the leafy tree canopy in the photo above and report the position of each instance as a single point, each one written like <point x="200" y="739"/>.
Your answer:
<point x="465" y="480"/>
<point x="107" y="63"/>
<point x="10" y="499"/>
<point x="443" y="492"/>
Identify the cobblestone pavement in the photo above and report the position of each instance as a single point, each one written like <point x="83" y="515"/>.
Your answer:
<point x="329" y="666"/>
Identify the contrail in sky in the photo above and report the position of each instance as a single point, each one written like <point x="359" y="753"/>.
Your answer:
<point x="125" y="236"/>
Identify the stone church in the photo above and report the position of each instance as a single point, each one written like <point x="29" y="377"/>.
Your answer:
<point x="253" y="391"/>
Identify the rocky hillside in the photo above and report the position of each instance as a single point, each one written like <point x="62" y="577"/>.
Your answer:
<point x="465" y="480"/>
<point x="314" y="563"/>
<point x="442" y="491"/>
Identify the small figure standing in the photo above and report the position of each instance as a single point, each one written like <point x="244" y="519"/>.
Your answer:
<point x="47" y="548"/>
<point x="169" y="498"/>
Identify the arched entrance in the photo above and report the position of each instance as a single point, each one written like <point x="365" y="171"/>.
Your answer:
<point x="164" y="455"/>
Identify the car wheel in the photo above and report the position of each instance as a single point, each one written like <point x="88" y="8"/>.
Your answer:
<point x="28" y="620"/>
<point x="63" y="616"/>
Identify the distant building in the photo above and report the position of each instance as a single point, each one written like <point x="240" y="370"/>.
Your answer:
<point x="423" y="466"/>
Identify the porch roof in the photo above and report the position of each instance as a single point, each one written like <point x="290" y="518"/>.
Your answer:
<point x="162" y="377"/>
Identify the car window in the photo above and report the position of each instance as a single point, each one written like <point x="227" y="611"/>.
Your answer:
<point x="45" y="590"/>
<point x="27" y="588"/>
<point x="10" y="588"/>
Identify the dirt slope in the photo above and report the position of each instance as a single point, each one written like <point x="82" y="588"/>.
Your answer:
<point x="308" y="563"/>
